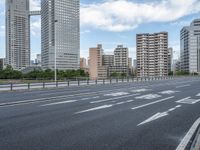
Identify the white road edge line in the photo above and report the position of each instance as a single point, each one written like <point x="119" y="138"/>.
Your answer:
<point x="141" y="106"/>
<point x="188" y="136"/>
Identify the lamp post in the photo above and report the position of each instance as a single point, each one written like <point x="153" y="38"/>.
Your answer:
<point x="55" y="65"/>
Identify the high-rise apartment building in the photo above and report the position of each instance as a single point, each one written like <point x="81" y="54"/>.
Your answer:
<point x="121" y="56"/>
<point x="95" y="55"/>
<point x="190" y="47"/>
<point x="170" y="59"/>
<point x="83" y="64"/>
<point x="108" y="60"/>
<point x="152" y="54"/>
<point x="60" y="32"/>
<point x="121" y="62"/>
<point x="17" y="33"/>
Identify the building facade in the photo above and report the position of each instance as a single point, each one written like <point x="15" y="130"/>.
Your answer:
<point x="170" y="59"/>
<point x="152" y="54"/>
<point x="61" y="32"/>
<point x="17" y="34"/>
<point x="121" y="62"/>
<point x="108" y="60"/>
<point x="95" y="57"/>
<point x="190" y="47"/>
<point x="83" y="64"/>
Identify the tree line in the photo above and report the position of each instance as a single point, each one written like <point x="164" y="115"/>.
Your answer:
<point x="10" y="73"/>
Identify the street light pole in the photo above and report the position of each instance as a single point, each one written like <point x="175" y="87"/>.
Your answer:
<point x="55" y="65"/>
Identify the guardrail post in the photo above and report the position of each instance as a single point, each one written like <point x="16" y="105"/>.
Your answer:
<point x="28" y="86"/>
<point x="78" y="82"/>
<point x="56" y="83"/>
<point x="43" y="85"/>
<point x="11" y="86"/>
<point x="103" y="81"/>
<point x="96" y="82"/>
<point x="117" y="80"/>
<point x="110" y="80"/>
<point x="68" y="83"/>
<point x="87" y="81"/>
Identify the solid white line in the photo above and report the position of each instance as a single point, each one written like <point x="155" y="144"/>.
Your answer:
<point x="95" y="108"/>
<point x="141" y="106"/>
<point x="188" y="136"/>
<point x="110" y="99"/>
<point x="63" y="102"/>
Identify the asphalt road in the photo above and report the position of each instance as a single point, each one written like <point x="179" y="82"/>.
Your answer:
<point x="153" y="115"/>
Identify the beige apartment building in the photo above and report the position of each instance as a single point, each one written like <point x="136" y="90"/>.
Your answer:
<point x="96" y="70"/>
<point x="152" y="54"/>
<point x="83" y="64"/>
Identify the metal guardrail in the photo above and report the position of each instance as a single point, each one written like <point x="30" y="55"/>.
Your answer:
<point x="69" y="83"/>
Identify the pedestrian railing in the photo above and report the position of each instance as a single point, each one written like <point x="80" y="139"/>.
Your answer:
<point x="78" y="82"/>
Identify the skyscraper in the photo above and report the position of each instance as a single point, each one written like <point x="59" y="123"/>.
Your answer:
<point x="152" y="54"/>
<point x="17" y="33"/>
<point x="190" y="47"/>
<point x="60" y="32"/>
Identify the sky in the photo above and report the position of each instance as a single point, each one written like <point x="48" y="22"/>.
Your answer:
<point x="114" y="22"/>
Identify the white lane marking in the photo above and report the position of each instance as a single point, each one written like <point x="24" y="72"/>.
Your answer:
<point x="198" y="94"/>
<point x="117" y="94"/>
<point x="149" y="96"/>
<point x="120" y="103"/>
<point x="57" y="103"/>
<point x="188" y="100"/>
<point x="168" y="92"/>
<point x="141" y="90"/>
<point x="181" y="86"/>
<point x="159" y="115"/>
<point x="188" y="136"/>
<point x="111" y="99"/>
<point x="95" y="108"/>
<point x="154" y="117"/>
<point x="148" y="104"/>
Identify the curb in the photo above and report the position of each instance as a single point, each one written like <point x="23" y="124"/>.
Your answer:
<point x="187" y="141"/>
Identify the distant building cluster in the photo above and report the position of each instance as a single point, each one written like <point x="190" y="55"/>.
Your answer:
<point x="103" y="66"/>
<point x="60" y="45"/>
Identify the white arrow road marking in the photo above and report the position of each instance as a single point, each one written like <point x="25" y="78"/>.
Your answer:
<point x="117" y="94"/>
<point x="148" y="96"/>
<point x="104" y="106"/>
<point x="57" y="103"/>
<point x="111" y="99"/>
<point x="159" y="115"/>
<point x="95" y="108"/>
<point x="154" y="117"/>
<point x="168" y="92"/>
<point x="188" y="100"/>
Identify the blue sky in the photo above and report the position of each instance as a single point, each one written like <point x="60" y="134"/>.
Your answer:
<point x="113" y="22"/>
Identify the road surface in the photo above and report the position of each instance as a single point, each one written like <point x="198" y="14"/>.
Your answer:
<point x="153" y="115"/>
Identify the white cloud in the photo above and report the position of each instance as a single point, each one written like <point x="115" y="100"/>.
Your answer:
<point x="34" y="5"/>
<point x="36" y="27"/>
<point x="2" y="31"/>
<point x="123" y="15"/>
